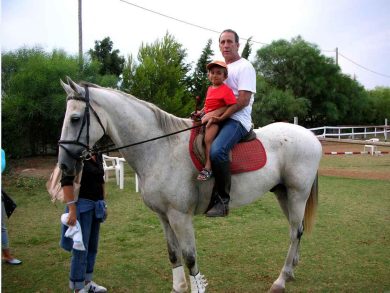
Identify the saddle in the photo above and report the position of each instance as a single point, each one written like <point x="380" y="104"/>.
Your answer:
<point x="248" y="155"/>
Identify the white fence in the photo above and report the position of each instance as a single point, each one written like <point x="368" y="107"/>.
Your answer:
<point x="352" y="132"/>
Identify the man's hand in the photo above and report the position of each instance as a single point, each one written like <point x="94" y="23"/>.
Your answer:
<point x="212" y="120"/>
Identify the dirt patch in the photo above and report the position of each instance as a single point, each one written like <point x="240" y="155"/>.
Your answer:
<point x="38" y="167"/>
<point x="334" y="172"/>
<point x="347" y="147"/>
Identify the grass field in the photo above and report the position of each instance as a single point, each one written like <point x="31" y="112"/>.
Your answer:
<point x="348" y="251"/>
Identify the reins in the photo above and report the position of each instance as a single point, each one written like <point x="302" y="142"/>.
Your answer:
<point x="147" y="140"/>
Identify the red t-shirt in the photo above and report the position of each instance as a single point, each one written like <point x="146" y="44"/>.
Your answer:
<point x="219" y="97"/>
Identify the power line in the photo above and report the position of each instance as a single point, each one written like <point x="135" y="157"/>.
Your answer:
<point x="365" y="68"/>
<point x="253" y="41"/>
<point x="183" y="21"/>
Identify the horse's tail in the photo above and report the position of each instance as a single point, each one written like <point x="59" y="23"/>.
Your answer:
<point x="311" y="207"/>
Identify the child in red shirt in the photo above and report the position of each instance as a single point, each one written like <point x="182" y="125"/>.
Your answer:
<point x="219" y="98"/>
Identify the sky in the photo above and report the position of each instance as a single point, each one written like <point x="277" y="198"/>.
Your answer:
<point x="360" y="29"/>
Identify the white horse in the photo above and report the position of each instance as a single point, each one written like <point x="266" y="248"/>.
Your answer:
<point x="168" y="177"/>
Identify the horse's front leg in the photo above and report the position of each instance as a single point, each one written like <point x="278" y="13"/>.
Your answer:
<point x="181" y="224"/>
<point x="175" y="257"/>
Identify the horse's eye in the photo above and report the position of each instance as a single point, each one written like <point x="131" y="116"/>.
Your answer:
<point x="75" y="118"/>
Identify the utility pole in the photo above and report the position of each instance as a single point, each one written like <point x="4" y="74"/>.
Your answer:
<point x="80" y="36"/>
<point x="337" y="56"/>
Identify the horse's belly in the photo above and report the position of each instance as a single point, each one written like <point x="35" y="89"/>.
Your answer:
<point x="248" y="187"/>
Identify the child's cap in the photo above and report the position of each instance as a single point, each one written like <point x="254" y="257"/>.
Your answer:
<point x="216" y="62"/>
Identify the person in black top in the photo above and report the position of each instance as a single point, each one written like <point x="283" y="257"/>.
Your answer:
<point x="89" y="210"/>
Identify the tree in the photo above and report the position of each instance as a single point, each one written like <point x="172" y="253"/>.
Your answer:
<point x="274" y="105"/>
<point x="299" y="67"/>
<point x="200" y="81"/>
<point x="33" y="102"/>
<point x="32" y="93"/>
<point x="110" y="60"/>
<point x="161" y="76"/>
<point x="128" y="74"/>
<point x="247" y="49"/>
<point x="378" y="105"/>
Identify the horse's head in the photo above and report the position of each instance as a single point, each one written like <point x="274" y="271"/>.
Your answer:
<point x="82" y="128"/>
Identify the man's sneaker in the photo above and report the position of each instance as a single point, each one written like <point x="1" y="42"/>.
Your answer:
<point x="95" y="288"/>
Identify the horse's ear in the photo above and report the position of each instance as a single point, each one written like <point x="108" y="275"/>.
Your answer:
<point x="67" y="88"/>
<point x="77" y="89"/>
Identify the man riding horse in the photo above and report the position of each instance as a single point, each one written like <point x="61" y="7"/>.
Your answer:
<point x="235" y="123"/>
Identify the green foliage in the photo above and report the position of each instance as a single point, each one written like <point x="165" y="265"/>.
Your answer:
<point x="273" y="105"/>
<point x="33" y="102"/>
<point x="246" y="52"/>
<point x="299" y="67"/>
<point x="200" y="82"/>
<point x="128" y="73"/>
<point x="161" y="76"/>
<point x="379" y="105"/>
<point x="111" y="63"/>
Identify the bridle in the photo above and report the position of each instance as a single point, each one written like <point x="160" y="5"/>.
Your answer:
<point x="87" y="151"/>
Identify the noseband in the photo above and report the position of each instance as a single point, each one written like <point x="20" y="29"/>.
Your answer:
<point x="86" y="153"/>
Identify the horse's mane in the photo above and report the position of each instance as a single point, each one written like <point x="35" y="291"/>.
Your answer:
<point x="168" y="122"/>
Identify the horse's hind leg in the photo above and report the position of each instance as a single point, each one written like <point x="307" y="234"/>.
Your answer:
<point x="281" y="194"/>
<point x="174" y="252"/>
<point x="181" y="225"/>
<point x="294" y="210"/>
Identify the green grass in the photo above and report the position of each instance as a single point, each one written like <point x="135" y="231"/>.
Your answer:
<point x="348" y="251"/>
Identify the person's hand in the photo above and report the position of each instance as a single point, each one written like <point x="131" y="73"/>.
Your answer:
<point x="195" y="116"/>
<point x="206" y="118"/>
<point x="212" y="120"/>
<point x="72" y="217"/>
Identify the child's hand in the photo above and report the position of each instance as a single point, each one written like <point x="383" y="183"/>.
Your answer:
<point x="196" y="115"/>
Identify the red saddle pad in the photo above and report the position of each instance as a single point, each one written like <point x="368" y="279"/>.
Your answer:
<point x="246" y="156"/>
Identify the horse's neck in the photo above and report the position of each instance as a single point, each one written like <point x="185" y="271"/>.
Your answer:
<point x="130" y="120"/>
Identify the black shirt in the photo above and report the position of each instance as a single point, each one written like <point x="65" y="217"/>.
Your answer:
<point x="92" y="180"/>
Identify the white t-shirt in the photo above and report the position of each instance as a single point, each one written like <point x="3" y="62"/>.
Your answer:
<point x="242" y="77"/>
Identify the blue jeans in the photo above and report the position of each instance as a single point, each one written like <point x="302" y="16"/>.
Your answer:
<point x="83" y="262"/>
<point x="230" y="133"/>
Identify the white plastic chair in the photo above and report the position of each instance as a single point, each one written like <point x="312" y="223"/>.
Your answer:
<point x="110" y="164"/>
<point x="371" y="148"/>
<point x="120" y="164"/>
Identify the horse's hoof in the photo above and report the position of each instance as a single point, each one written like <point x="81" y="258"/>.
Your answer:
<point x="276" y="289"/>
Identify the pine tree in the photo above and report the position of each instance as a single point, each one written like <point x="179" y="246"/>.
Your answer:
<point x="247" y="49"/>
<point x="200" y="81"/>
